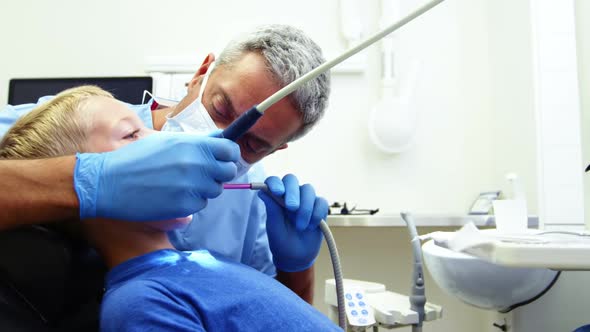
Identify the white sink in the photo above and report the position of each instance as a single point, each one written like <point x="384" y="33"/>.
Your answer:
<point x="481" y="283"/>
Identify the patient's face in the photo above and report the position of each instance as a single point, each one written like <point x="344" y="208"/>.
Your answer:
<point x="113" y="124"/>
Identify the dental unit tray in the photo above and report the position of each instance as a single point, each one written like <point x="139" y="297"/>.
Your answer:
<point x="551" y="249"/>
<point x="390" y="309"/>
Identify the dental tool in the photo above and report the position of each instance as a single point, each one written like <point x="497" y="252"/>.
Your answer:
<point x="243" y="123"/>
<point x="329" y="241"/>
<point x="252" y="186"/>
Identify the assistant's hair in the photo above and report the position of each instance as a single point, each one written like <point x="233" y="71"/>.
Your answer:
<point x="52" y="129"/>
<point x="289" y="54"/>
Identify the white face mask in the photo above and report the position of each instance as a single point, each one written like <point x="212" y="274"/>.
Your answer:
<point x="195" y="119"/>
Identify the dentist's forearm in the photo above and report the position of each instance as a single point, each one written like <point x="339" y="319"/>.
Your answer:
<point x="34" y="191"/>
<point x="301" y="283"/>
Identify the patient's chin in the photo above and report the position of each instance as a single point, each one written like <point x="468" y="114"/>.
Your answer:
<point x="169" y="225"/>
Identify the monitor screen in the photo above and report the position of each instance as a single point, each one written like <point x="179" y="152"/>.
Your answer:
<point x="29" y="90"/>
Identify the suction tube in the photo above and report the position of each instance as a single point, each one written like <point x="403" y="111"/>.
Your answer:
<point x="418" y="294"/>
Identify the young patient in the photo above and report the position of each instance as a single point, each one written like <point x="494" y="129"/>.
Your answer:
<point x="150" y="285"/>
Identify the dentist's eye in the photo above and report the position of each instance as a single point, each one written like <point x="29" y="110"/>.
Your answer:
<point x="133" y="135"/>
<point x="253" y="145"/>
<point x="220" y="107"/>
<point x="249" y="147"/>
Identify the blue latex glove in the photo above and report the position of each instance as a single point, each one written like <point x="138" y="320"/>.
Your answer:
<point x="293" y="231"/>
<point x="162" y="176"/>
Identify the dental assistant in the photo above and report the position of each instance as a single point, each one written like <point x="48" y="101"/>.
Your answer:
<point x="240" y="225"/>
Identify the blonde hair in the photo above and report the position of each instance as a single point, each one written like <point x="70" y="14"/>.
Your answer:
<point x="52" y="129"/>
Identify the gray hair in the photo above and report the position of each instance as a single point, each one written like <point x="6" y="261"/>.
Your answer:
<point x="289" y="54"/>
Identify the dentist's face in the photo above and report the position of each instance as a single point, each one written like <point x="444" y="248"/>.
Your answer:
<point x="231" y="91"/>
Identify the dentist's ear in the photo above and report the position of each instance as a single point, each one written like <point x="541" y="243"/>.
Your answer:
<point x="281" y="147"/>
<point x="209" y="59"/>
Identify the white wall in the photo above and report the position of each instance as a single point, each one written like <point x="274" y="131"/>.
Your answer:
<point x="583" y="43"/>
<point x="74" y="38"/>
<point x="514" y="142"/>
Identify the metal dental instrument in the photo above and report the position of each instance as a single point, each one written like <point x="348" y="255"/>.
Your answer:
<point x="252" y="186"/>
<point x="243" y="123"/>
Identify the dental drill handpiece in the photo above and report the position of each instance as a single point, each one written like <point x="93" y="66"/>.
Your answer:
<point x="330" y="242"/>
<point x="243" y="123"/>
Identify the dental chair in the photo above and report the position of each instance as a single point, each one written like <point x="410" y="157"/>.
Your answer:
<point x="48" y="281"/>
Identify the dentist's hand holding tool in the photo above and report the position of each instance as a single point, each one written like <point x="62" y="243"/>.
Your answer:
<point x="160" y="177"/>
<point x="293" y="231"/>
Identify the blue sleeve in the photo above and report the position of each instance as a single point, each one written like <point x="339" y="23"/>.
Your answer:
<point x="144" y="111"/>
<point x="8" y="117"/>
<point x="261" y="258"/>
<point x="146" y="306"/>
<point x="11" y="113"/>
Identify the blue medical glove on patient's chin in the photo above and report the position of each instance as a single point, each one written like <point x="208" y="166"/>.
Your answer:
<point x="294" y="234"/>
<point x="160" y="177"/>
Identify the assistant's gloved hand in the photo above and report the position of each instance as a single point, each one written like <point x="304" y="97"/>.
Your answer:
<point x="293" y="231"/>
<point x="162" y="176"/>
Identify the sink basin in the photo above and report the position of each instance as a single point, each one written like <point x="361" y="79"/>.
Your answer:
<point x="483" y="284"/>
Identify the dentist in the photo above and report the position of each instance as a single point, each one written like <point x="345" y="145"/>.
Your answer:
<point x="241" y="225"/>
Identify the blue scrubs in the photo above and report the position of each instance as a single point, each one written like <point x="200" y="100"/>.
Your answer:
<point x="232" y="225"/>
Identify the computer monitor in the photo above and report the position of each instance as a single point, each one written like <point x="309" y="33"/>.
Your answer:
<point x="28" y="90"/>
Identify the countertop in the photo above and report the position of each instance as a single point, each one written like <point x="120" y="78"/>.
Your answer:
<point x="421" y="220"/>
